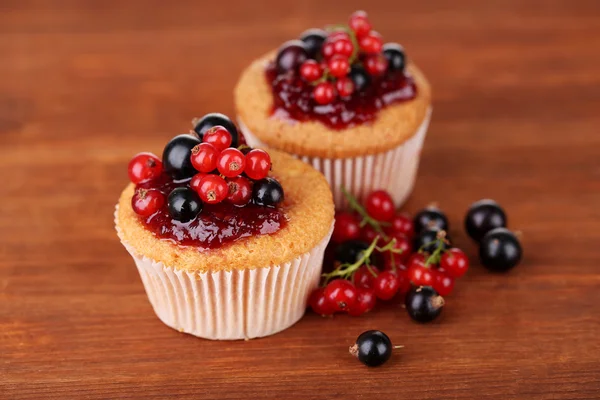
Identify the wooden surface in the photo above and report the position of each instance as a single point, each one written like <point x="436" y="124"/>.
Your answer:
<point x="85" y="85"/>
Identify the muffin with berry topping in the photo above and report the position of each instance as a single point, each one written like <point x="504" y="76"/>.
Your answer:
<point x="228" y="241"/>
<point x="343" y="101"/>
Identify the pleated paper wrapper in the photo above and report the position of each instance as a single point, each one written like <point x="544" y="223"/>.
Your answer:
<point x="229" y="305"/>
<point x="394" y="170"/>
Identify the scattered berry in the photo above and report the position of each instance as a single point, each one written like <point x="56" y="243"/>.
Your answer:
<point x="267" y="192"/>
<point x="204" y="157"/>
<point x="360" y="77"/>
<point x="482" y="217"/>
<point x="371" y="43"/>
<point x="338" y="65"/>
<point x="342" y="294"/>
<point x="350" y="251"/>
<point x="443" y="284"/>
<point x="144" y="167"/>
<point x="184" y="204"/>
<point x="344" y="86"/>
<point x="372" y="348"/>
<point x="402" y="223"/>
<point x="455" y="262"/>
<point x="258" y="164"/>
<point x="240" y="191"/>
<point x="364" y="277"/>
<point x="324" y="93"/>
<point x="177" y="156"/>
<point x="319" y="303"/>
<point x="376" y="64"/>
<point x="203" y="124"/>
<point x="394" y="53"/>
<point x="421" y="275"/>
<point x="359" y="23"/>
<point x="347" y="227"/>
<point x="313" y="41"/>
<point x="386" y="285"/>
<point x="423" y="304"/>
<point x="219" y="137"/>
<point x="213" y="189"/>
<point x="231" y="162"/>
<point x="379" y="205"/>
<point x="364" y="303"/>
<point x="368" y="234"/>
<point x="426" y="241"/>
<point x="500" y="250"/>
<point x="146" y="202"/>
<point x="403" y="244"/>
<point x="311" y="70"/>
<point x="291" y="55"/>
<point x="430" y="218"/>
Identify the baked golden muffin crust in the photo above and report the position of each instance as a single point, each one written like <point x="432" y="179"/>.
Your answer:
<point x="308" y="206"/>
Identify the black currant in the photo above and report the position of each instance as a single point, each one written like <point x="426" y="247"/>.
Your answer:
<point x="372" y="348"/>
<point x="423" y="303"/>
<point x="426" y="241"/>
<point x="350" y="251"/>
<point x="430" y="218"/>
<point x="267" y="192"/>
<point x="184" y="204"/>
<point x="395" y="56"/>
<point x="313" y="40"/>
<point x="203" y="124"/>
<point x="360" y="77"/>
<point x="482" y="217"/>
<point x="500" y="250"/>
<point x="176" y="156"/>
<point x="290" y="56"/>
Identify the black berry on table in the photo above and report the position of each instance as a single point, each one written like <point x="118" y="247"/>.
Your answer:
<point x="291" y="55"/>
<point x="423" y="304"/>
<point x="176" y="156"/>
<point x="425" y="240"/>
<point x="372" y="348"/>
<point x="184" y="204"/>
<point x="395" y="56"/>
<point x="482" y="217"/>
<point x="430" y="218"/>
<point x="201" y="125"/>
<point x="500" y="250"/>
<point x="267" y="192"/>
<point x="313" y="41"/>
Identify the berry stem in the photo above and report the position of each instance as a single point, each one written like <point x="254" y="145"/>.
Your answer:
<point x="399" y="347"/>
<point x="355" y="205"/>
<point x="434" y="258"/>
<point x="353" y="39"/>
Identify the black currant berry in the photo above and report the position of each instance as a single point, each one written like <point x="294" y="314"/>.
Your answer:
<point x="203" y="124"/>
<point x="395" y="56"/>
<point x="360" y="77"/>
<point x="430" y="218"/>
<point x="267" y="192"/>
<point x="500" y="250"/>
<point x="482" y="217"/>
<point x="372" y="348"/>
<point x="423" y="303"/>
<point x="290" y="56"/>
<point x="176" y="156"/>
<point x="184" y="204"/>
<point x="426" y="241"/>
<point x="313" y="41"/>
<point x="350" y="251"/>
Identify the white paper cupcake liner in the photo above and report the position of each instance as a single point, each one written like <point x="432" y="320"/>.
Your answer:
<point x="228" y="305"/>
<point x="394" y="170"/>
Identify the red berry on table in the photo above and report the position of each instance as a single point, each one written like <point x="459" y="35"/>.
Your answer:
<point x="366" y="302"/>
<point x="379" y="205"/>
<point x="347" y="227"/>
<point x="195" y="181"/>
<point x="368" y="234"/>
<point x="364" y="277"/>
<point x="144" y="167"/>
<point x="319" y="303"/>
<point x="402" y="223"/>
<point x="213" y="189"/>
<point x="218" y="136"/>
<point x="231" y="162"/>
<point x="338" y="65"/>
<point x="345" y="86"/>
<point x="386" y="285"/>
<point x="371" y="43"/>
<point x="324" y="93"/>
<point x="258" y="164"/>
<point x="339" y="45"/>
<point x="204" y="157"/>
<point x="359" y="23"/>
<point x="417" y="259"/>
<point x="240" y="191"/>
<point x="404" y="281"/>
<point x="376" y="64"/>
<point x="455" y="262"/>
<point x="342" y="294"/>
<point x="146" y="202"/>
<point x="443" y="284"/>
<point x="402" y="243"/>
<point x="421" y="275"/>
<point x="311" y="70"/>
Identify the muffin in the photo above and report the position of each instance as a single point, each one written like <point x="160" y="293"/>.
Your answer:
<point x="344" y="102"/>
<point x="228" y="242"/>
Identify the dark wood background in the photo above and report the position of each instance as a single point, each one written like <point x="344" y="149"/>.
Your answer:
<point x="86" y="84"/>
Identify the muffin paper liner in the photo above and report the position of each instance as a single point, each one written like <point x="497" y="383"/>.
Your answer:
<point x="394" y="170"/>
<point x="228" y="305"/>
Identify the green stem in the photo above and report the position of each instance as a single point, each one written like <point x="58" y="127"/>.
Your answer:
<point x="346" y="270"/>
<point x="355" y="205"/>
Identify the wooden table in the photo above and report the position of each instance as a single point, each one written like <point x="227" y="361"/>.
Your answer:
<point x="85" y="85"/>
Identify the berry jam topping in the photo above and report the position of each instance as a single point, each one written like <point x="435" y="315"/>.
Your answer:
<point x="205" y="193"/>
<point x="341" y="78"/>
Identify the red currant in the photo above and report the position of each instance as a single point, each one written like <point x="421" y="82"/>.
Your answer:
<point x="231" y="162"/>
<point x="204" y="157"/>
<point x="342" y="294"/>
<point x="359" y="23"/>
<point x="195" y="182"/>
<point x="417" y="259"/>
<point x="338" y="34"/>
<point x="402" y="223"/>
<point x="386" y="285"/>
<point x="218" y="136"/>
<point x="368" y="234"/>
<point x="379" y="205"/>
<point x="258" y="164"/>
<point x="324" y="93"/>
<point x="455" y="262"/>
<point x="421" y="275"/>
<point x="144" y="167"/>
<point x="366" y="302"/>
<point x="240" y="191"/>
<point x="319" y="303"/>
<point x="345" y="86"/>
<point x="311" y="70"/>
<point x="213" y="189"/>
<point x="339" y="45"/>
<point x="338" y="65"/>
<point x="376" y="64"/>
<point x="443" y="284"/>
<point x="364" y="278"/>
<point x="146" y="202"/>
<point x="347" y="227"/>
<point x="371" y="43"/>
<point x="404" y="282"/>
<point x="403" y="244"/>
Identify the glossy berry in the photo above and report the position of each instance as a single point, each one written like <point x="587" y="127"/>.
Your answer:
<point x="144" y="167"/>
<point x="231" y="162"/>
<point x="217" y="119"/>
<point x="239" y="191"/>
<point x="426" y="241"/>
<point x="347" y="227"/>
<point x="339" y="46"/>
<point x="324" y="93"/>
<point x="258" y="164"/>
<point x="379" y="205"/>
<point x="267" y="192"/>
<point x="423" y="304"/>
<point x="338" y="65"/>
<point x="195" y="181"/>
<point x="364" y="277"/>
<point x="177" y="156"/>
<point x="364" y="303"/>
<point x="430" y="218"/>
<point x="204" y="157"/>
<point x="416" y="259"/>
<point x="184" y="204"/>
<point x="219" y="137"/>
<point x="402" y="223"/>
<point x="443" y="284"/>
<point x="368" y="234"/>
<point x="350" y="251"/>
<point x="310" y="70"/>
<point x="290" y="56"/>
<point x="319" y="303"/>
<point x="386" y="285"/>
<point x="482" y="217"/>
<point x="337" y="34"/>
<point x="359" y="23"/>
<point x="146" y="202"/>
<point x="372" y="348"/>
<point x="402" y="243"/>
<point x="376" y="64"/>
<point x="371" y="43"/>
<point x="360" y="77"/>
<point x="421" y="275"/>
<point x="213" y="189"/>
<point x="313" y="41"/>
<point x="395" y="56"/>
<point x="344" y="86"/>
<point x="500" y="250"/>
<point x="455" y="262"/>
<point x="342" y="294"/>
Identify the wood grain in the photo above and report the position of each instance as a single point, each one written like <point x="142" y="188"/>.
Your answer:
<point x="85" y="85"/>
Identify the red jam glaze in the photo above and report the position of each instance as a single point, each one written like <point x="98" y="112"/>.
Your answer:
<point x="216" y="226"/>
<point x="292" y="99"/>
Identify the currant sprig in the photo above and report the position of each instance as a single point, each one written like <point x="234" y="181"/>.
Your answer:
<point x="366" y="218"/>
<point x="440" y="248"/>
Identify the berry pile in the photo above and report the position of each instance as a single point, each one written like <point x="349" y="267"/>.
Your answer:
<point x="212" y="168"/>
